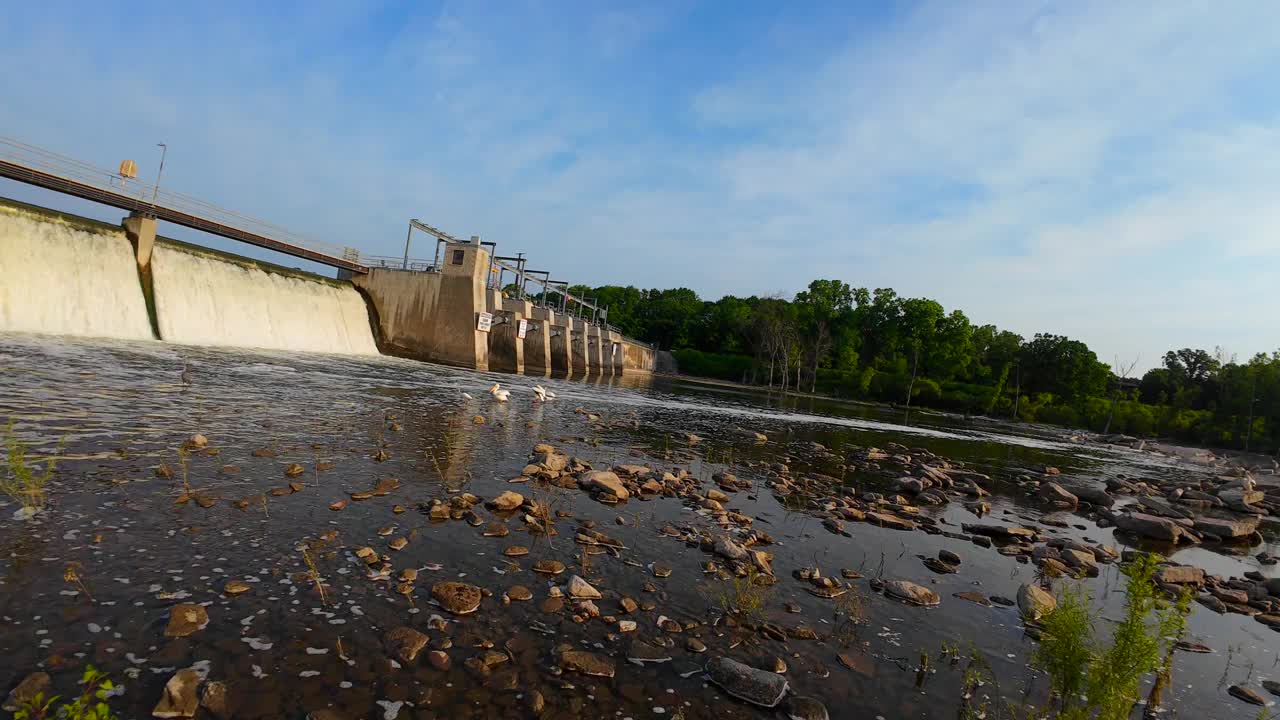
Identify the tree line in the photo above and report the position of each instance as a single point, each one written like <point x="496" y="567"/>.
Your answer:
<point x="856" y="343"/>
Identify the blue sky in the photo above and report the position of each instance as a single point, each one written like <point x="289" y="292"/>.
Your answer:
<point x="1103" y="170"/>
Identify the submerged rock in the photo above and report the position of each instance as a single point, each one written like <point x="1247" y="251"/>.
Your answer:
<point x="581" y="589"/>
<point x="758" y="687"/>
<point x="404" y="643"/>
<point x="186" y="618"/>
<point x="1247" y="694"/>
<point x="37" y="683"/>
<point x="457" y="597"/>
<point x="799" y="707"/>
<point x="585" y="663"/>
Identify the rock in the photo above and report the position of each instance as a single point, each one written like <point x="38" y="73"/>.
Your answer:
<point x="548" y="567"/>
<point x="799" y="707"/>
<point x="939" y="566"/>
<point x="581" y="590"/>
<point x="439" y="660"/>
<point x="694" y="645"/>
<point x="1058" y="496"/>
<point x="948" y="557"/>
<point x="457" y="597"/>
<point x="37" y="683"/>
<point x="1180" y="575"/>
<point x="627" y="605"/>
<point x="999" y="531"/>
<point x="404" y="643"/>
<point x="197" y="441"/>
<point x="974" y="597"/>
<point x="519" y="593"/>
<point x="507" y="501"/>
<point x="1228" y="529"/>
<point x="551" y="460"/>
<point x="890" y="521"/>
<point x="726" y="547"/>
<point x="179" y="699"/>
<point x="1094" y="496"/>
<point x="1241" y="499"/>
<point x="604" y="480"/>
<point x="184" y="619"/>
<point x="214" y="699"/>
<point x="1271" y="621"/>
<point x="1150" y="526"/>
<point x="235" y="587"/>
<point x="911" y="592"/>
<point x="642" y="653"/>
<point x="1271" y="686"/>
<point x="1035" y="602"/>
<point x="585" y="663"/>
<point x="294" y="470"/>
<point x="758" y="687"/>
<point x="1249" y="695"/>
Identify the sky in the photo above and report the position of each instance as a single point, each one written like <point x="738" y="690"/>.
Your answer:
<point x="1105" y="170"/>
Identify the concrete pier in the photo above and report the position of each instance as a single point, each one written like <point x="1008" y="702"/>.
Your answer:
<point x="578" y="347"/>
<point x="537" y="341"/>
<point x="560" y="343"/>
<point x="141" y="231"/>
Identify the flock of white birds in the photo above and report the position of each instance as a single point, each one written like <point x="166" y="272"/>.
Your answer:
<point x="540" y="394"/>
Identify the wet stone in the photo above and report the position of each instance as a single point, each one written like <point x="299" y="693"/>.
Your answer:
<point x="404" y="643"/>
<point x="519" y="593"/>
<point x="516" y="551"/>
<point x="548" y="567"/>
<point x="457" y="597"/>
<point x="800" y="707"/>
<point x="758" y="687"/>
<point x="585" y="663"/>
<point x="910" y="592"/>
<point x="179" y="698"/>
<point x="185" y="619"/>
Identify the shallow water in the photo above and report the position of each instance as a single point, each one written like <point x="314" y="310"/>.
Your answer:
<point x="118" y="410"/>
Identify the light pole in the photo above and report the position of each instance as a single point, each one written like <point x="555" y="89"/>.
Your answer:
<point x="164" y="150"/>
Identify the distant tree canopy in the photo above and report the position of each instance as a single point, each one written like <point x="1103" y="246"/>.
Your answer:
<point x="862" y="343"/>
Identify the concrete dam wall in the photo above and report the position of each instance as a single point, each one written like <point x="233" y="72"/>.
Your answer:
<point x="66" y="275"/>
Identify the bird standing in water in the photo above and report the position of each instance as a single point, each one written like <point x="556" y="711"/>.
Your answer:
<point x="499" y="394"/>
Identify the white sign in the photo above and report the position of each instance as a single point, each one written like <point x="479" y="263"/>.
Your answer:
<point x="484" y="321"/>
<point x="522" y="329"/>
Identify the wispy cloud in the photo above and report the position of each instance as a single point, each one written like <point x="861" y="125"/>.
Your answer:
<point x="1105" y="170"/>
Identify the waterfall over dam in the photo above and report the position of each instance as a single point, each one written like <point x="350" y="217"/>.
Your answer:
<point x="62" y="275"/>
<point x="206" y="300"/>
<point x="65" y="278"/>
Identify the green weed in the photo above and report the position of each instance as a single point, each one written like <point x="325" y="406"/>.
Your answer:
<point x="19" y="481"/>
<point x="746" y="596"/>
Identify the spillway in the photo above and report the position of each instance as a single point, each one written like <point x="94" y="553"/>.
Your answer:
<point x="62" y="278"/>
<point x="203" y="299"/>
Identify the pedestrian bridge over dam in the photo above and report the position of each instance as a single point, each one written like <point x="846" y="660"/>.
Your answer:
<point x="69" y="275"/>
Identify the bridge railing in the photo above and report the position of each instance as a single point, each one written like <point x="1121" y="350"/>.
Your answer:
<point x="30" y="156"/>
<point x="392" y="262"/>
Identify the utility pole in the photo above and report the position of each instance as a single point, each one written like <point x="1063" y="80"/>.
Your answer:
<point x="164" y="150"/>
<point x="406" y="246"/>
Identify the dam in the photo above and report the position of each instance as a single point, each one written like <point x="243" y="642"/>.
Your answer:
<point x="69" y="275"/>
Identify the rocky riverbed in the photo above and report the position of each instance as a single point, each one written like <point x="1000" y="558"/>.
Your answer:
<point x="292" y="536"/>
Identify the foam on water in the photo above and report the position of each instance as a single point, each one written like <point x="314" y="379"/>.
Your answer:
<point x="202" y="300"/>
<point x="58" y="279"/>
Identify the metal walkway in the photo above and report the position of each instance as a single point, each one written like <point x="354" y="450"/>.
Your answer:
<point x="41" y="168"/>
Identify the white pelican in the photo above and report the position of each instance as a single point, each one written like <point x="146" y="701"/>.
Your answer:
<point x="499" y="394"/>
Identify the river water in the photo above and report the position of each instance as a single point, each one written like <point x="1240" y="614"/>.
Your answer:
<point x="116" y="410"/>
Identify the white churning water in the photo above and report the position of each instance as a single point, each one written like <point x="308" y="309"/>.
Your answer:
<point x="203" y="300"/>
<point x="58" y="279"/>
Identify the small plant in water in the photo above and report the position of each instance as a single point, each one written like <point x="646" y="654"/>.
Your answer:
<point x="313" y="573"/>
<point x="96" y="689"/>
<point x="746" y="597"/>
<point x="72" y="575"/>
<point x="849" y="613"/>
<point x="20" y="481"/>
<point x="1093" y="681"/>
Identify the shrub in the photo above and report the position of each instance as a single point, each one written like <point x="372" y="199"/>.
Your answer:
<point x="19" y="481"/>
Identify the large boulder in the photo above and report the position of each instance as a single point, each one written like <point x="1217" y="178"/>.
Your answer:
<point x="1180" y="575"/>
<point x="1241" y="499"/>
<point x="758" y="687"/>
<point x="604" y="480"/>
<point x="1094" y="496"/>
<point x="910" y="592"/>
<point x="1149" y="526"/>
<point x="1035" y="602"/>
<point x="1229" y="529"/>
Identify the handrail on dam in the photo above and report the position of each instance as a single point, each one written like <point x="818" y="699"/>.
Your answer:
<point x="41" y="168"/>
